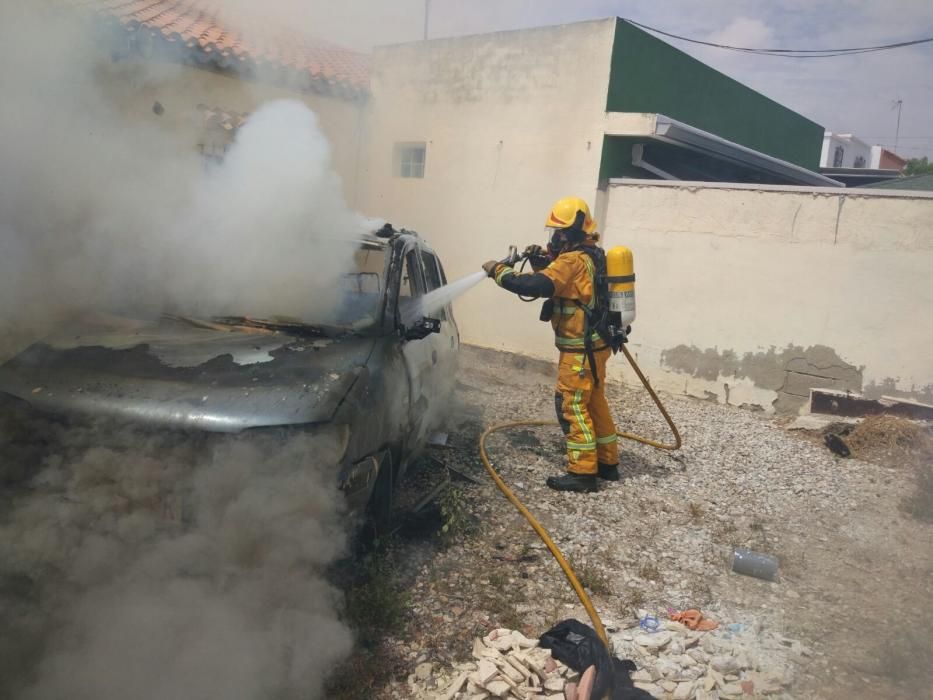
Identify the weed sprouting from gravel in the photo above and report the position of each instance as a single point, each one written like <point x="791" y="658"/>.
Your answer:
<point x="726" y="531"/>
<point x="503" y="612"/>
<point x="500" y="599"/>
<point x="455" y="515"/>
<point x="650" y="572"/>
<point x="497" y="579"/>
<point x="526" y="553"/>
<point x="591" y="577"/>
<point x="376" y="606"/>
<point x="633" y="599"/>
<point x="696" y="511"/>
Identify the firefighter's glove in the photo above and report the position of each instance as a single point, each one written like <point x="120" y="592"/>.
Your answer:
<point x="534" y="251"/>
<point x="490" y="267"/>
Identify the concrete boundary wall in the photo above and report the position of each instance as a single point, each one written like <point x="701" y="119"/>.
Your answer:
<point x="753" y="295"/>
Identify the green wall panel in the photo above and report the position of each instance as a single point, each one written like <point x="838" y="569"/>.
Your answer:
<point x="648" y="75"/>
<point x="617" y="159"/>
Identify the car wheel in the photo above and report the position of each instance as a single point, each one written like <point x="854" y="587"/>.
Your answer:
<point x="379" y="509"/>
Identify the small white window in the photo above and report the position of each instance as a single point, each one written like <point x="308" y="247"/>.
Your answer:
<point x="409" y="159"/>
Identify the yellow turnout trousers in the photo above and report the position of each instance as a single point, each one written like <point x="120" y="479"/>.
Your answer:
<point x="584" y="413"/>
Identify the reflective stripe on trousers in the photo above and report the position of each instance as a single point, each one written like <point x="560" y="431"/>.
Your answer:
<point x="584" y="414"/>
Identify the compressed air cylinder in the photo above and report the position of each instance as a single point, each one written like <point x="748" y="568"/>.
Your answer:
<point x="620" y="270"/>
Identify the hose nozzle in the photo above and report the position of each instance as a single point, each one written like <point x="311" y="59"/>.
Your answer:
<point x="513" y="257"/>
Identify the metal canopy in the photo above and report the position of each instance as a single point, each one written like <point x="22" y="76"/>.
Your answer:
<point x="677" y="133"/>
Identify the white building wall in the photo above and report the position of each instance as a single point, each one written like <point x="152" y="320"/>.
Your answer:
<point x="752" y="296"/>
<point x="853" y="149"/>
<point x="512" y="122"/>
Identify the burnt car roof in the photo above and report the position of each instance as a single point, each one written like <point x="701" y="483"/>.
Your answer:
<point x="179" y="372"/>
<point x="384" y="236"/>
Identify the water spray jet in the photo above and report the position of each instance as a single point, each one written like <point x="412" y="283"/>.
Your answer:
<point x="437" y="299"/>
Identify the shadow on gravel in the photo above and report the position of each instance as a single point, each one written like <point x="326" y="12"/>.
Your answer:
<point x="633" y="464"/>
<point x="523" y="438"/>
<point x="551" y="447"/>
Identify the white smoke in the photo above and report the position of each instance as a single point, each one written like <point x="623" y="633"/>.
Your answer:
<point x="268" y="231"/>
<point x="102" y="207"/>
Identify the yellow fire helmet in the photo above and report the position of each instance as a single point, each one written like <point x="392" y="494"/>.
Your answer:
<point x="564" y="214"/>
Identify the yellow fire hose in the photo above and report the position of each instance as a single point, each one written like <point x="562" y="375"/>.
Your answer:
<point x="542" y="533"/>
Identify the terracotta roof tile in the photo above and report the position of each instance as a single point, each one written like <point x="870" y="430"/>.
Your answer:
<point x="195" y="24"/>
<point x="214" y="117"/>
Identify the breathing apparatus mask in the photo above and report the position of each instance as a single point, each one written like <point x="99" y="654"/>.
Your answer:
<point x="562" y="238"/>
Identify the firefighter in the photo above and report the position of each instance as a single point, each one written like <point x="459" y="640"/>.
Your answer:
<point x="565" y="275"/>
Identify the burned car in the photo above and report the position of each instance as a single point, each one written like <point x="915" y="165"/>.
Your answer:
<point x="374" y="383"/>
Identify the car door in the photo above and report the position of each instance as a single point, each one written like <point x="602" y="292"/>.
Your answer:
<point x="419" y="354"/>
<point x="447" y="342"/>
<point x="445" y="346"/>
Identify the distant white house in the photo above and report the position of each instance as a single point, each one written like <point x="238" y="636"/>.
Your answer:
<point x="844" y="151"/>
<point x="883" y="159"/>
<point x="848" y="151"/>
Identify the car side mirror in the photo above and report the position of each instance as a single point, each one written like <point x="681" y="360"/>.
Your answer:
<point x="423" y="328"/>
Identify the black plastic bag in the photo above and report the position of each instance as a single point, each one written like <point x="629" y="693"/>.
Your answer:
<point x="578" y="646"/>
<point x="837" y="445"/>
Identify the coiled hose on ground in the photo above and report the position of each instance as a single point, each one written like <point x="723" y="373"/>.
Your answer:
<point x="538" y="528"/>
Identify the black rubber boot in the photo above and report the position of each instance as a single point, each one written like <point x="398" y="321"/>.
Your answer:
<point x="580" y="483"/>
<point x="609" y="472"/>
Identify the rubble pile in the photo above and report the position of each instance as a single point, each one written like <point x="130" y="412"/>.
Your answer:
<point x="506" y="664"/>
<point x="677" y="663"/>
<point x="673" y="663"/>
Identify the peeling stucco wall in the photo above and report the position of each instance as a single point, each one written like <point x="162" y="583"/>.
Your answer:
<point x="789" y="372"/>
<point x="753" y="296"/>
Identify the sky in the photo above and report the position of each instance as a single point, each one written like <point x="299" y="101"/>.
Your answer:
<point x="852" y="94"/>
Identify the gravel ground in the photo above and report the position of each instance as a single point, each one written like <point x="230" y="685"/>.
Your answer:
<point x="851" y="613"/>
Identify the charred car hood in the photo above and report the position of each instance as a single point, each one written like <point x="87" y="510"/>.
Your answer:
<point x="173" y="375"/>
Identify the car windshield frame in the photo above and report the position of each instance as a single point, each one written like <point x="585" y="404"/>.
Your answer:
<point x="375" y="317"/>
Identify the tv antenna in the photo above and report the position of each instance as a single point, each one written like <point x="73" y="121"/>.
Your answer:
<point x="897" y="104"/>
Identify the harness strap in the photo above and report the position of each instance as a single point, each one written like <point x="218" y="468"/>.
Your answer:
<point x="588" y="340"/>
<point x="588" y="315"/>
<point x="590" y="356"/>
